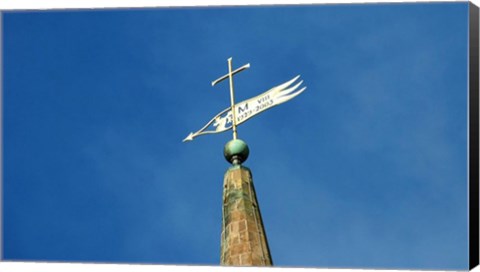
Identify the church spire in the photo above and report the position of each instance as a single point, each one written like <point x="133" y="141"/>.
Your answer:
<point x="243" y="240"/>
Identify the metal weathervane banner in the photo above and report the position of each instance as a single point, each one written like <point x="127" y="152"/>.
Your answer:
<point x="250" y="107"/>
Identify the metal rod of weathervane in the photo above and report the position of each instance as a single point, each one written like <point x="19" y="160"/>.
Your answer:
<point x="232" y="99"/>
<point x="232" y="91"/>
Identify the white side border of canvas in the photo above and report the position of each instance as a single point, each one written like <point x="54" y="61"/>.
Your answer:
<point x="76" y="4"/>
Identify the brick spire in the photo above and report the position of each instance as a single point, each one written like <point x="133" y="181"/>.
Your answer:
<point x="243" y="241"/>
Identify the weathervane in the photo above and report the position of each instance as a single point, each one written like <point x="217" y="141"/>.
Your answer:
<point x="238" y="113"/>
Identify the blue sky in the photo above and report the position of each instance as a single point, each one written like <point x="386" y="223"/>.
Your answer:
<point x="366" y="168"/>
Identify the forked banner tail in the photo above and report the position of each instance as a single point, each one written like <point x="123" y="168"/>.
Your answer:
<point x="250" y="107"/>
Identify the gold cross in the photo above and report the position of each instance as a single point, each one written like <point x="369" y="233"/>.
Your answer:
<point x="232" y="98"/>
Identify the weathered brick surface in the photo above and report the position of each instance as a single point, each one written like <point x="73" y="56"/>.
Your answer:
<point x="243" y="240"/>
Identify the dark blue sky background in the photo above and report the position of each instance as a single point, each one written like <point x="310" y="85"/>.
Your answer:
<point x="366" y="168"/>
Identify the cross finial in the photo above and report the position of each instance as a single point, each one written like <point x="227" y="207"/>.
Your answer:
<point x="232" y="92"/>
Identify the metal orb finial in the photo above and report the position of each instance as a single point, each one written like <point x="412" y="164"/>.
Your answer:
<point x="236" y="151"/>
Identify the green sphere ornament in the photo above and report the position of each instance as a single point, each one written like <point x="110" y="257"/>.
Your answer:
<point x="236" y="151"/>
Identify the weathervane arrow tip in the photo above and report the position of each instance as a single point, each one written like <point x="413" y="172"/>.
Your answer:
<point x="189" y="137"/>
